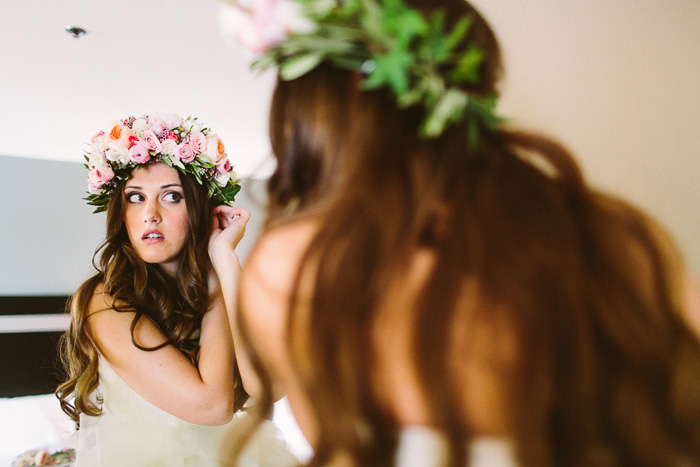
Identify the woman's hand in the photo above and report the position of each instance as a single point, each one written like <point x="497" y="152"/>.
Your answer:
<point x="228" y="228"/>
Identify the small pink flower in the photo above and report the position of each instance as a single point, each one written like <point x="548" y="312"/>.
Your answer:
<point x="184" y="152"/>
<point x="139" y="153"/>
<point x="223" y="166"/>
<point x="215" y="149"/>
<point x="198" y="142"/>
<point x="133" y="140"/>
<point x="97" y="135"/>
<point x="267" y="23"/>
<point x="97" y="177"/>
<point x="172" y="136"/>
<point x="151" y="141"/>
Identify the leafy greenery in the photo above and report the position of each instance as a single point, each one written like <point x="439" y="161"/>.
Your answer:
<point x="421" y="60"/>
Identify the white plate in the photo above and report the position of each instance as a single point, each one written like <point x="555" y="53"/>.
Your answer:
<point x="50" y="448"/>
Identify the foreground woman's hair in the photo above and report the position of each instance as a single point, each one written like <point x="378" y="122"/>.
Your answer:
<point x="605" y="371"/>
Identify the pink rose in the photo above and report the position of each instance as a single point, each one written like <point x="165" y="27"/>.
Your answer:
<point x="267" y="23"/>
<point x="215" y="149"/>
<point x="118" y="137"/>
<point x="97" y="135"/>
<point x="139" y="153"/>
<point x="223" y="166"/>
<point x="97" y="177"/>
<point x="198" y="142"/>
<point x="151" y="141"/>
<point x="161" y="122"/>
<point x="184" y="152"/>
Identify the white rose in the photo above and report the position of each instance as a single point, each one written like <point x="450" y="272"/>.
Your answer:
<point x="223" y="179"/>
<point x="120" y="155"/>
<point x="96" y="159"/>
<point x="124" y="156"/>
<point x="100" y="144"/>
<point x="139" y="126"/>
<point x="112" y="155"/>
<point x="168" y="147"/>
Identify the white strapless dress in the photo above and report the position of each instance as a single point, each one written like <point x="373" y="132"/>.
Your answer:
<point x="420" y="446"/>
<point x="133" y="432"/>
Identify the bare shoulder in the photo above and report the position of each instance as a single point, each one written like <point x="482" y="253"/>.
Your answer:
<point x="274" y="262"/>
<point x="111" y="329"/>
<point x="268" y="278"/>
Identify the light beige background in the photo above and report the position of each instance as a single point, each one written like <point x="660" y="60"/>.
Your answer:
<point x="619" y="83"/>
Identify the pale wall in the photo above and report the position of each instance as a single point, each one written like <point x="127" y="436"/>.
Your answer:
<point x="48" y="234"/>
<point x="619" y="83"/>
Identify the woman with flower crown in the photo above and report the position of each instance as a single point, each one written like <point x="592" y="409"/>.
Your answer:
<point x="153" y="378"/>
<point x="436" y="287"/>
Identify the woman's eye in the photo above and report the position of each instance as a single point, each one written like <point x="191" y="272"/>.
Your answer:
<point x="173" y="197"/>
<point x="134" y="197"/>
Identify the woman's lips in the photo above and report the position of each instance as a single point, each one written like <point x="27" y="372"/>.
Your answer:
<point x="152" y="236"/>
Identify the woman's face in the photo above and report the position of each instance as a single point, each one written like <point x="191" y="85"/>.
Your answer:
<point x="156" y="215"/>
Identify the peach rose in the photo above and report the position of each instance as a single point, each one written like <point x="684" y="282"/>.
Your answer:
<point x="215" y="149"/>
<point x="118" y="137"/>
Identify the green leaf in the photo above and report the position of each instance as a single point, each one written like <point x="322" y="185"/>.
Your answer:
<point x="298" y="66"/>
<point x="264" y="62"/>
<point x="450" y="108"/>
<point x="391" y="70"/>
<point x="459" y="32"/>
<point x="177" y="162"/>
<point x="468" y="70"/>
<point x="229" y="192"/>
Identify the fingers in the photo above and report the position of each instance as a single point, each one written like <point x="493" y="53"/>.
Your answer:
<point x="227" y="215"/>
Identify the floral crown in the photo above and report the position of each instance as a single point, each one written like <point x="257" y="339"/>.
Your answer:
<point x="183" y="144"/>
<point x="391" y="44"/>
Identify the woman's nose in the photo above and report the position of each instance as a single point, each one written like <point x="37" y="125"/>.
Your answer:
<point x="151" y="213"/>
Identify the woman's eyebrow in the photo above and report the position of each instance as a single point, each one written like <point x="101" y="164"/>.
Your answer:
<point x="162" y="187"/>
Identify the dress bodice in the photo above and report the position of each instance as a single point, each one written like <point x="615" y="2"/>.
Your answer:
<point x="132" y="431"/>
<point x="422" y="446"/>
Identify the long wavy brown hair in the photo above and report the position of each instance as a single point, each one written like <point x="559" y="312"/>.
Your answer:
<point x="176" y="305"/>
<point x="607" y="369"/>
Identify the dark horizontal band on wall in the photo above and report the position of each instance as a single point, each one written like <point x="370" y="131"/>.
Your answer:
<point x="33" y="305"/>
